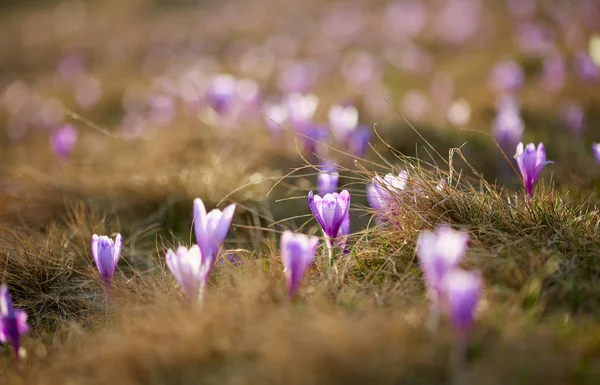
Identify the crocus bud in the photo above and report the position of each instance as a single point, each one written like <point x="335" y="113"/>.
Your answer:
<point x="275" y="116"/>
<point x="13" y="322"/>
<point x="297" y="253"/>
<point x="330" y="211"/>
<point x="358" y="143"/>
<point x="462" y="291"/>
<point x="106" y="253"/>
<point x="343" y="121"/>
<point x="211" y="229"/>
<point x="507" y="76"/>
<point x="301" y="110"/>
<point x="189" y="270"/>
<point x="327" y="181"/>
<point x="221" y="93"/>
<point x="63" y="141"/>
<point x="531" y="163"/>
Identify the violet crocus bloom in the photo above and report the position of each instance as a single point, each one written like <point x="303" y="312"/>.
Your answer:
<point x="439" y="252"/>
<point x="343" y="121"/>
<point x="554" y="72"/>
<point x="13" y="322"/>
<point x="358" y="143"/>
<point x="221" y="93"/>
<point x="343" y="233"/>
<point x="106" y="253"/>
<point x="585" y="66"/>
<point x="315" y="138"/>
<point x="301" y="110"/>
<point x="275" y="116"/>
<point x="297" y="253"/>
<point x="507" y="76"/>
<point x="596" y="151"/>
<point x="462" y="291"/>
<point x="327" y="181"/>
<point x="573" y="117"/>
<point x="330" y="211"/>
<point x="63" y="141"/>
<point x="189" y="270"/>
<point x="531" y="163"/>
<point x="380" y="192"/>
<point x="211" y="230"/>
<point x="508" y="126"/>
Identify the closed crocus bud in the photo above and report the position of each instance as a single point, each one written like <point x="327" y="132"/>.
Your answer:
<point x="63" y="141"/>
<point x="13" y="322"/>
<point x="508" y="126"/>
<point x="462" y="291"/>
<point x="106" y="253"/>
<point x="221" y="93"/>
<point x="297" y="253"/>
<point x="188" y="269"/>
<point x="330" y="211"/>
<point x="275" y="116"/>
<point x="507" y="76"/>
<point x="439" y="252"/>
<point x="211" y="229"/>
<point x="358" y="143"/>
<point x="585" y="66"/>
<point x="301" y="110"/>
<point x="343" y="121"/>
<point x="596" y="151"/>
<point x="327" y="181"/>
<point x="531" y="163"/>
<point x="573" y="116"/>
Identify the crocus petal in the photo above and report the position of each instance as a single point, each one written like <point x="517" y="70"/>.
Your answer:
<point x="95" y="248"/>
<point x="21" y="318"/>
<point x="200" y="227"/>
<point x="117" y="249"/>
<point x="315" y="202"/>
<point x="222" y="227"/>
<point x="462" y="291"/>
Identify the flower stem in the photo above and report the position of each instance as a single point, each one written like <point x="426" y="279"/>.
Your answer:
<point x="433" y="320"/>
<point x="329" y="243"/>
<point x="201" y="296"/>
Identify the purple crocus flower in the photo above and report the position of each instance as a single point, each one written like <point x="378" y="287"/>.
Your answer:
<point x="343" y="233"/>
<point x="507" y="76"/>
<point x="596" y="151"/>
<point x="358" y="143"/>
<point x="189" y="269"/>
<point x="462" y="291"/>
<point x="315" y="135"/>
<point x="301" y="110"/>
<point x="221" y="93"/>
<point x="380" y="192"/>
<point x="439" y="252"/>
<point x="585" y="66"/>
<point x="106" y="253"/>
<point x="531" y="163"/>
<point x="343" y="121"/>
<point x="327" y="181"/>
<point x="63" y="141"/>
<point x="13" y="322"/>
<point x="554" y="71"/>
<point x="211" y="229"/>
<point x="330" y="211"/>
<point x="297" y="253"/>
<point x="508" y="126"/>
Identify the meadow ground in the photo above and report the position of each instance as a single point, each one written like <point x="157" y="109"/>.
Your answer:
<point x="131" y="78"/>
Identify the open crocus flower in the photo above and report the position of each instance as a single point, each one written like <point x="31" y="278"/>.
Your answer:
<point x="327" y="180"/>
<point x="63" y="141"/>
<point x="301" y="110"/>
<point x="330" y="211"/>
<point x="596" y="151"/>
<point x="106" y="254"/>
<point x="343" y="121"/>
<point x="211" y="229"/>
<point x="13" y="322"/>
<point x="439" y="252"/>
<point x="297" y="253"/>
<point x="531" y="163"/>
<point x="462" y="291"/>
<point x="188" y="268"/>
<point x="380" y="192"/>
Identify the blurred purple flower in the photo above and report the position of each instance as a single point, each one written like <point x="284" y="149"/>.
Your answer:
<point x="162" y="109"/>
<point x="275" y="116"/>
<point x="573" y="116"/>
<point x="358" y="143"/>
<point x="297" y="253"/>
<point x="298" y="77"/>
<point x="522" y="8"/>
<point x="531" y="163"/>
<point x="87" y="92"/>
<point x="404" y="19"/>
<point x="533" y="38"/>
<point x="439" y="252"/>
<point x="380" y="194"/>
<point x="189" y="269"/>
<point x="554" y="71"/>
<point x="506" y="76"/>
<point x="301" y="110"/>
<point x="71" y="66"/>
<point x="13" y="323"/>
<point x="360" y="69"/>
<point x="221" y="93"/>
<point x="106" y="254"/>
<point x="63" y="141"/>
<point x="211" y="230"/>
<point x="343" y="233"/>
<point x="585" y="66"/>
<point x="316" y="136"/>
<point x="596" y="151"/>
<point x="343" y="121"/>
<point x="330" y="211"/>
<point x="462" y="291"/>
<point x="458" y="20"/>
<point x="508" y="126"/>
<point x="327" y="180"/>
